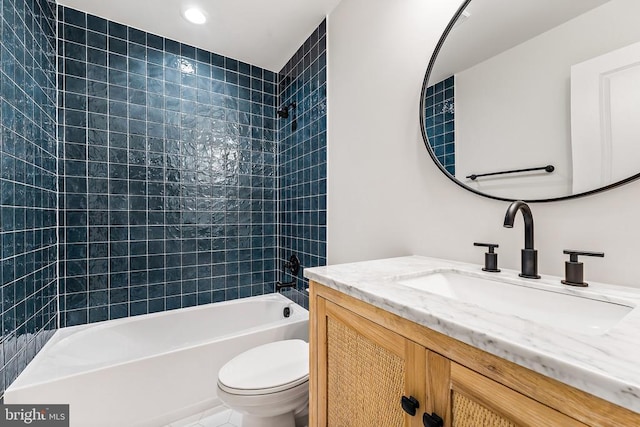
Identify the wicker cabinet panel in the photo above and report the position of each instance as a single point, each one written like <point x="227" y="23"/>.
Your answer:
<point x="364" y="380"/>
<point x="469" y="413"/>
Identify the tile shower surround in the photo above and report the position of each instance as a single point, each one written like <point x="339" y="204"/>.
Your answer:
<point x="27" y="182"/>
<point x="167" y="173"/>
<point x="143" y="226"/>
<point x="439" y="121"/>
<point x="303" y="158"/>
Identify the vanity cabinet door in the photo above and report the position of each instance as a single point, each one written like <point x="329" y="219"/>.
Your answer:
<point x="363" y="371"/>
<point x="476" y="400"/>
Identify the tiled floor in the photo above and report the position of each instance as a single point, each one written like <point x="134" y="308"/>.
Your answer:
<point x="217" y="417"/>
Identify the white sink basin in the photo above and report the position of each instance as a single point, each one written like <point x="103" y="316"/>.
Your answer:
<point x="572" y="313"/>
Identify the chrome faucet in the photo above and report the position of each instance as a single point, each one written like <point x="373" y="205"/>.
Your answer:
<point x="529" y="267"/>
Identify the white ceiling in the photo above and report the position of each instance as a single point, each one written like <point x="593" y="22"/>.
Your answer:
<point x="259" y="32"/>
<point x="497" y="25"/>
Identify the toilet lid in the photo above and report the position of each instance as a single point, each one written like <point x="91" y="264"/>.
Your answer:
<point x="268" y="368"/>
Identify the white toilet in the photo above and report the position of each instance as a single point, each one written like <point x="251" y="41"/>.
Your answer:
<point x="268" y="384"/>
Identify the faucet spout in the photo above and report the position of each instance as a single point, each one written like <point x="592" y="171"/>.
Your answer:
<point x="529" y="254"/>
<point x="510" y="217"/>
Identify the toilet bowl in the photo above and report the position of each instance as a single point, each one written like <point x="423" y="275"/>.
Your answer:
<point x="268" y="384"/>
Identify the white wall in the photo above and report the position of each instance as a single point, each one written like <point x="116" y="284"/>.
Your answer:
<point x="526" y="94"/>
<point x="387" y="198"/>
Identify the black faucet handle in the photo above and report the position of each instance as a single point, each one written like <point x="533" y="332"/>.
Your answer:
<point x="491" y="246"/>
<point x="574" y="270"/>
<point x="575" y="254"/>
<point x="293" y="265"/>
<point x="490" y="258"/>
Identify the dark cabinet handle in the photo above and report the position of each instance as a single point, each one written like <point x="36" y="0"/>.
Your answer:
<point x="432" y="420"/>
<point x="410" y="404"/>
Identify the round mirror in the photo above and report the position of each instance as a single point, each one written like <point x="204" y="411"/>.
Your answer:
<point x="536" y="100"/>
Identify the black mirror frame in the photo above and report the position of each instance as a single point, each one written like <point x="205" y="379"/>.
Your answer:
<point x="425" y="138"/>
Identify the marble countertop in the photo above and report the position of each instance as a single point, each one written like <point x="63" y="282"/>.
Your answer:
<point x="607" y="365"/>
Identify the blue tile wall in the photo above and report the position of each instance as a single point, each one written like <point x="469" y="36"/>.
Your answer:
<point x="167" y="176"/>
<point x="27" y="182"/>
<point x="439" y="122"/>
<point x="302" y="157"/>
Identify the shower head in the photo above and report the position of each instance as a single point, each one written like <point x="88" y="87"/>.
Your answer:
<point x="283" y="112"/>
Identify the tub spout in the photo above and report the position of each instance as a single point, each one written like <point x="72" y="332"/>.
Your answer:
<point x="282" y="285"/>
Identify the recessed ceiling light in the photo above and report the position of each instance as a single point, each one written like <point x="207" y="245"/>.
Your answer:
<point x="195" y="15"/>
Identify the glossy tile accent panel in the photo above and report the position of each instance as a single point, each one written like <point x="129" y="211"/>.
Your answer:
<point x="302" y="158"/>
<point x="439" y="122"/>
<point x="168" y="173"/>
<point x="27" y="182"/>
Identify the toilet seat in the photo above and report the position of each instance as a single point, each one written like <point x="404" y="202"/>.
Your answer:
<point x="266" y="369"/>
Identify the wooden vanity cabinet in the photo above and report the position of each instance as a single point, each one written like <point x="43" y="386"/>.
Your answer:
<point x="364" y="360"/>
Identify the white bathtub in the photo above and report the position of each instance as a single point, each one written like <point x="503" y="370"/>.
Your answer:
<point x="150" y="370"/>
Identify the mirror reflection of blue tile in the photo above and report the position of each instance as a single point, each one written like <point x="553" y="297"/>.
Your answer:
<point x="440" y="122"/>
